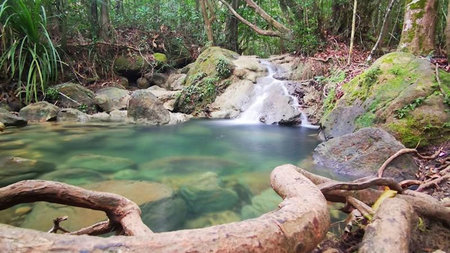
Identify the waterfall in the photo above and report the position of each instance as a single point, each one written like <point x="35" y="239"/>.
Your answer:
<point x="272" y="103"/>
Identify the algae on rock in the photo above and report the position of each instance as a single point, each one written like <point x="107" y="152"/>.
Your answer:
<point x="379" y="96"/>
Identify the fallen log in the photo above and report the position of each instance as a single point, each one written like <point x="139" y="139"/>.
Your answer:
<point x="299" y="224"/>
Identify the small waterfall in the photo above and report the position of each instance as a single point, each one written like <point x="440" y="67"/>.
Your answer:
<point x="272" y="102"/>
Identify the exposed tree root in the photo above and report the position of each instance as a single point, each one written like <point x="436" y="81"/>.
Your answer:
<point x="301" y="222"/>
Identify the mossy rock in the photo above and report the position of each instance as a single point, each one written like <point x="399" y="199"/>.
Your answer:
<point x="206" y="79"/>
<point x="160" y="58"/>
<point x="398" y="93"/>
<point x="131" y="67"/>
<point x="75" y="96"/>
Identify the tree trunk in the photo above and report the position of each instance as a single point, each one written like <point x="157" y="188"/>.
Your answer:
<point x="231" y="36"/>
<point x="62" y="22"/>
<point x="105" y="25"/>
<point x="207" y="21"/>
<point x="300" y="223"/>
<point x="93" y="17"/>
<point x="419" y="25"/>
<point x="119" y="7"/>
<point x="447" y="32"/>
<point x="352" y="38"/>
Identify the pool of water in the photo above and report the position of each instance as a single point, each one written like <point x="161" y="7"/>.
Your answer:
<point x="191" y="175"/>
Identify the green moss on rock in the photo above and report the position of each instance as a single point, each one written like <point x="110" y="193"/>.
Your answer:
<point x="395" y="82"/>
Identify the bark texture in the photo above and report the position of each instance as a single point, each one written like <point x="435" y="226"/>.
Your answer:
<point x="419" y="27"/>
<point x="447" y="32"/>
<point x="299" y="224"/>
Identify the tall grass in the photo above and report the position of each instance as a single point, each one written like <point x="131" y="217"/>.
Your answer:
<point x="28" y="54"/>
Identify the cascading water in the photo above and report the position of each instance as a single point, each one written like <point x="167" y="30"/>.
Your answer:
<point x="272" y="103"/>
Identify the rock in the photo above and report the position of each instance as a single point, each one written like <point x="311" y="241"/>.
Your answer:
<point x="160" y="58"/>
<point x="22" y="210"/>
<point x="76" y="92"/>
<point x="158" y="79"/>
<point x="118" y="116"/>
<point x="162" y="94"/>
<point x="279" y="108"/>
<point x="167" y="214"/>
<point x="361" y="153"/>
<point x="132" y="67"/>
<point x="205" y="79"/>
<point x="2" y="127"/>
<point x="144" y="106"/>
<point x="177" y="118"/>
<point x="175" y="82"/>
<point x="112" y="98"/>
<point x="230" y="103"/>
<point x="100" y="163"/>
<point x="141" y="193"/>
<point x="14" y="169"/>
<point x="142" y="83"/>
<point x="256" y="181"/>
<point x="212" y="219"/>
<point x="72" y="115"/>
<point x="10" y="119"/>
<point x="263" y="203"/>
<point x="100" y="117"/>
<point x="205" y="195"/>
<point x="123" y="83"/>
<point x="397" y="93"/>
<point x="74" y="176"/>
<point x="39" y="112"/>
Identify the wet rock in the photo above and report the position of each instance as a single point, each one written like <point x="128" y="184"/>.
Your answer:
<point x="100" y="163"/>
<point x="39" y="112"/>
<point x="75" y="96"/>
<point x="141" y="193"/>
<point x="206" y="195"/>
<point x="72" y="115"/>
<point x="112" y="98"/>
<point x="177" y="118"/>
<point x="14" y="169"/>
<point x="10" y="119"/>
<point x="144" y="106"/>
<point x="212" y="219"/>
<point x="361" y="153"/>
<point x="229" y="104"/>
<point x="279" y="108"/>
<point x="118" y="116"/>
<point x="167" y="214"/>
<point x="263" y="203"/>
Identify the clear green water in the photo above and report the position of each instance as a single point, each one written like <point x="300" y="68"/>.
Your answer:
<point x="200" y="173"/>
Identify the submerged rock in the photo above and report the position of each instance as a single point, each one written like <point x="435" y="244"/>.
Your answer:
<point x="112" y="98"/>
<point x="212" y="219"/>
<point x="14" y="169"/>
<point x="398" y="93"/>
<point x="74" y="176"/>
<point x="361" y="153"/>
<point x="39" y="112"/>
<point x="10" y="119"/>
<point x="263" y="203"/>
<point x="205" y="195"/>
<point x="141" y="193"/>
<point x="144" y="106"/>
<point x="100" y="163"/>
<point x="167" y="214"/>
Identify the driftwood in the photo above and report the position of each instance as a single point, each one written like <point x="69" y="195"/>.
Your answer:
<point x="299" y="224"/>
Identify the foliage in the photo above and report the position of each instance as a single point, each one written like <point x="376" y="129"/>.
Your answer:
<point x="403" y="112"/>
<point x="223" y="68"/>
<point x="28" y="52"/>
<point x="51" y="94"/>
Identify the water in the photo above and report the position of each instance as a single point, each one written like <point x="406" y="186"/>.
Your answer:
<point x="196" y="174"/>
<point x="264" y="90"/>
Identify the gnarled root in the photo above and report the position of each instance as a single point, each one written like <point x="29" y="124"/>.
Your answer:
<point x="298" y="225"/>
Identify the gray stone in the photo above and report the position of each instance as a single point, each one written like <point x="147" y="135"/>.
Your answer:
<point x="11" y="119"/>
<point x="39" y="112"/>
<point x="112" y="98"/>
<point x="361" y="153"/>
<point x="74" y="176"/>
<point x="100" y="163"/>
<point x="230" y="103"/>
<point x="167" y="214"/>
<point x="177" y="118"/>
<point x="14" y="169"/>
<point x="72" y="115"/>
<point x="158" y="79"/>
<point x="75" y="95"/>
<point x="144" y="106"/>
<point x="118" y="116"/>
<point x="142" y="83"/>
<point x="100" y="117"/>
<point x="263" y="203"/>
<point x="175" y="82"/>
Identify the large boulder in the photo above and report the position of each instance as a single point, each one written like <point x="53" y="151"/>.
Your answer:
<point x="144" y="106"/>
<point x="158" y="79"/>
<point x="10" y="119"/>
<point x="204" y="194"/>
<point x="112" y="98"/>
<point x="362" y="153"/>
<point x="39" y="112"/>
<point x="230" y="103"/>
<point x="75" y="96"/>
<point x="206" y="79"/>
<point x="175" y="82"/>
<point x="142" y="193"/>
<point x="167" y="214"/>
<point x="398" y="93"/>
<point x="131" y="66"/>
<point x="99" y="163"/>
<point x="14" y="169"/>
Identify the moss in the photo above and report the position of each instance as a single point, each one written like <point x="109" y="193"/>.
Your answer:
<point x="360" y="87"/>
<point x="405" y="130"/>
<point x="418" y="5"/>
<point x="366" y="120"/>
<point x="329" y="103"/>
<point x="159" y="57"/>
<point x="133" y="63"/>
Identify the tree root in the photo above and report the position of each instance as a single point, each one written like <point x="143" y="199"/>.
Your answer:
<point x="300" y="223"/>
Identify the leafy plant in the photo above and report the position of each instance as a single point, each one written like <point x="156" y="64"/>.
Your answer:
<point x="404" y="111"/>
<point x="83" y="108"/>
<point x="51" y="94"/>
<point x="28" y="53"/>
<point x="223" y="68"/>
